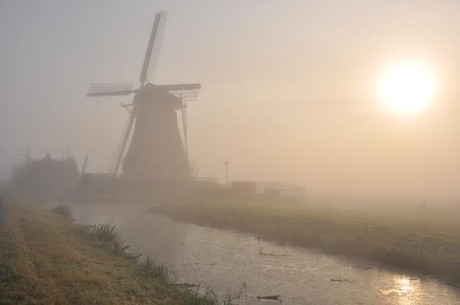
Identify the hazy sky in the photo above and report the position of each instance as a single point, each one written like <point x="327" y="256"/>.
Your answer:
<point x="288" y="87"/>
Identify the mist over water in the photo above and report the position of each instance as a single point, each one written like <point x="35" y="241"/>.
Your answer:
<point x="246" y="266"/>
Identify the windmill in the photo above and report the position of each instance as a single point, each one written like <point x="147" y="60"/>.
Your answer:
<point x="156" y="147"/>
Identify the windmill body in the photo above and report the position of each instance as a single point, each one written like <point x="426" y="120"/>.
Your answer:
<point x="156" y="149"/>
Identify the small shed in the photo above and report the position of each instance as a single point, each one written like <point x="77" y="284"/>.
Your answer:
<point x="244" y="188"/>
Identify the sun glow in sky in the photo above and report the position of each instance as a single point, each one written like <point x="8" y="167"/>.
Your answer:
<point x="407" y="87"/>
<point x="358" y="97"/>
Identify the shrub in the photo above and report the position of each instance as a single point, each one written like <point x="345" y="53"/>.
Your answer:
<point x="64" y="211"/>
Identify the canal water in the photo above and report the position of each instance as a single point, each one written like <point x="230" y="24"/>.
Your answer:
<point x="245" y="267"/>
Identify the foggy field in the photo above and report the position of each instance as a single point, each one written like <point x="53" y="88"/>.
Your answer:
<point x="46" y="259"/>
<point x="401" y="237"/>
<point x="328" y="126"/>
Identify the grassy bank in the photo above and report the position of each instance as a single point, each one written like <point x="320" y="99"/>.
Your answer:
<point x="46" y="259"/>
<point x="394" y="238"/>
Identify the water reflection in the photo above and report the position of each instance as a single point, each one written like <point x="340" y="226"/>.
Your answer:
<point x="407" y="291"/>
<point x="404" y="290"/>
<point x="226" y="260"/>
<point x="143" y="231"/>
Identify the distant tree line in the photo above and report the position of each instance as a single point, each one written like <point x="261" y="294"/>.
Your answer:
<point x="47" y="179"/>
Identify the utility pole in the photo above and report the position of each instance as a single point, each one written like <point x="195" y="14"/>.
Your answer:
<point x="27" y="155"/>
<point x="84" y="165"/>
<point x="226" y="173"/>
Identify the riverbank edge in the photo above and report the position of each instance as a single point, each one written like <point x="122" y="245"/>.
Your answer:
<point x="47" y="259"/>
<point x="375" y="243"/>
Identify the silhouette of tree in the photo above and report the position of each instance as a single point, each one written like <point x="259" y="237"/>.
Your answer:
<point x="47" y="178"/>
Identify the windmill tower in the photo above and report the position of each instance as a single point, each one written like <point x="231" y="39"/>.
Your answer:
<point x="156" y="148"/>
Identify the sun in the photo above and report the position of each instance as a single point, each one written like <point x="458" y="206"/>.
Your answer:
<point x="407" y="87"/>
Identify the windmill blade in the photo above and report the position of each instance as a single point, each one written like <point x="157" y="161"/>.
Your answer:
<point x="174" y="87"/>
<point x="125" y="138"/>
<point x="188" y="92"/>
<point x="110" y="89"/>
<point x="187" y="96"/>
<point x="184" y="128"/>
<point x="113" y="167"/>
<point x="152" y="54"/>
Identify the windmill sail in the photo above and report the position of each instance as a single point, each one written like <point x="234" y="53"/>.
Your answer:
<point x="174" y="87"/>
<point x="152" y="54"/>
<point x="186" y="92"/>
<point x="110" y="89"/>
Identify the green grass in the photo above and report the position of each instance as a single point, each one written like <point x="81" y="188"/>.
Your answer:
<point x="46" y="259"/>
<point x="407" y="239"/>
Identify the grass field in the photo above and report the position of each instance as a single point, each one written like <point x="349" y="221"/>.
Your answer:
<point x="46" y="259"/>
<point x="425" y="241"/>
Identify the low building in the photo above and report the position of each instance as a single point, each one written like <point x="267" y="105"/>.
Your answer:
<point x="244" y="189"/>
